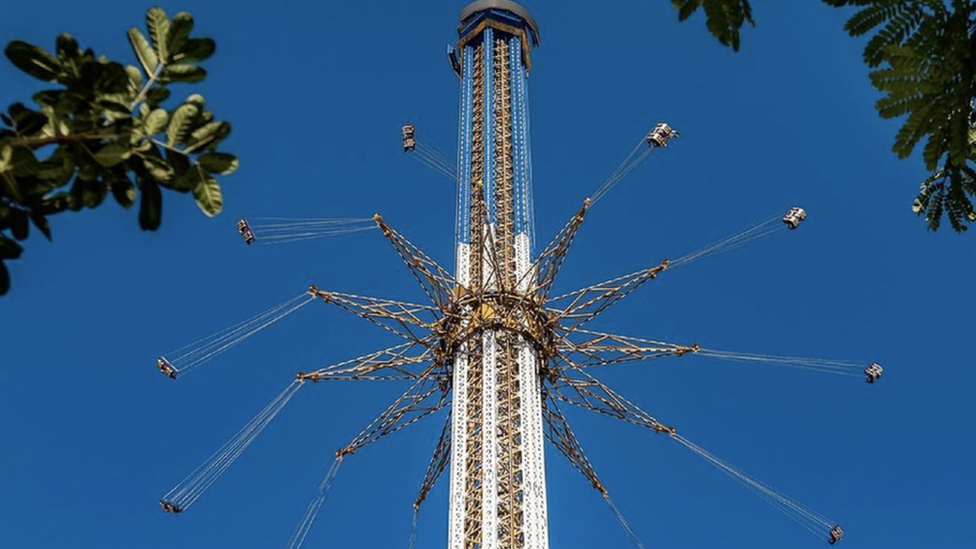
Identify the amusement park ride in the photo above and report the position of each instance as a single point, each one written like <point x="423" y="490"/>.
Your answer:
<point x="494" y="346"/>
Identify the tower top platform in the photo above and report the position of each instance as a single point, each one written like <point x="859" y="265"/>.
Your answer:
<point x="471" y="12"/>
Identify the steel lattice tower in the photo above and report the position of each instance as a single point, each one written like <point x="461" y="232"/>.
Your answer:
<point x="498" y="494"/>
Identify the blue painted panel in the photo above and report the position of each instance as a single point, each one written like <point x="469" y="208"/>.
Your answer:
<point x="529" y="180"/>
<point x="518" y="143"/>
<point x="464" y="147"/>
<point x="489" y="187"/>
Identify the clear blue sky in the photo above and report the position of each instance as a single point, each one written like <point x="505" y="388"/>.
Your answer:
<point x="92" y="434"/>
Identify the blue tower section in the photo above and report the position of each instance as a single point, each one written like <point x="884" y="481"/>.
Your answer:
<point x="494" y="158"/>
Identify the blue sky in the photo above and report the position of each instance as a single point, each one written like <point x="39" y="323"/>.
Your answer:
<point x="93" y="434"/>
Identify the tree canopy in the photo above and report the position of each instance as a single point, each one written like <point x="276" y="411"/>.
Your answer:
<point x="922" y="56"/>
<point x="108" y="128"/>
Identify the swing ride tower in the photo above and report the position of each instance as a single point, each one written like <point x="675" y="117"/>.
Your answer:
<point x="497" y="480"/>
<point x="493" y="348"/>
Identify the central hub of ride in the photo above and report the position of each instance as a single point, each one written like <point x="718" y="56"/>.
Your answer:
<point x="517" y="314"/>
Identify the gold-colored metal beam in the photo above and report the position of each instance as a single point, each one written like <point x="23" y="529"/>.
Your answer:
<point x="576" y="387"/>
<point x="436" y="282"/>
<point x="578" y="307"/>
<point x="396" y="363"/>
<point x="551" y="259"/>
<point x="426" y="396"/>
<point x="408" y="320"/>
<point x="601" y="349"/>
<point x="561" y="435"/>
<point x="438" y="462"/>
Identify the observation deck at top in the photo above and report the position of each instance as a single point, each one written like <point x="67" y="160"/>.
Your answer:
<point x="502" y="15"/>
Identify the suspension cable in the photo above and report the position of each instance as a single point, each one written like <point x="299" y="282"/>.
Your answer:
<point x="763" y="229"/>
<point x="270" y="231"/>
<point x="412" y="540"/>
<point x="658" y="137"/>
<point x="189" y="490"/>
<point x="809" y="519"/>
<point x="836" y="367"/>
<point x="301" y="532"/>
<point x="623" y="522"/>
<point x="427" y="154"/>
<point x="189" y="357"/>
<point x="627" y="165"/>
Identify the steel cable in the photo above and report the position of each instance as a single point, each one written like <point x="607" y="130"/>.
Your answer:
<point x="301" y="532"/>
<point x="189" y="490"/>
<point x="195" y="354"/>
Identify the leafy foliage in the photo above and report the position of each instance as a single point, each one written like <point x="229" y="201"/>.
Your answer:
<point x="109" y="128"/>
<point x="923" y="53"/>
<point x="724" y="18"/>
<point x="923" y="56"/>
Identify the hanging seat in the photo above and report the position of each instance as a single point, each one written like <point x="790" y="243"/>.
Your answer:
<point x="166" y="367"/>
<point x="660" y="135"/>
<point x="794" y="217"/>
<point x="409" y="138"/>
<point x="836" y="534"/>
<point x="873" y="372"/>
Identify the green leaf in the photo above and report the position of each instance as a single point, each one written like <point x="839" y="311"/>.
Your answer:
<point x="180" y="123"/>
<point x="110" y="78"/>
<point x="179" y="161"/>
<point x="724" y="18"/>
<point x="158" y="168"/>
<point x="9" y="249"/>
<point x="88" y="193"/>
<point x="69" y="54"/>
<point x="186" y="74"/>
<point x="686" y="8"/>
<point x="208" y="195"/>
<point x="196" y="49"/>
<point x="6" y="157"/>
<point x="179" y="32"/>
<point x="219" y="163"/>
<point x="158" y="24"/>
<point x="135" y="78"/>
<point x="30" y="122"/>
<point x="20" y="226"/>
<point x="147" y="56"/>
<point x="42" y="225"/>
<point x="4" y="279"/>
<point x="10" y="186"/>
<point x="208" y="134"/>
<point x="155" y="122"/>
<point x="156" y="96"/>
<point x="196" y="99"/>
<point x="112" y="154"/>
<point x="58" y="168"/>
<point x="34" y="60"/>
<point x="24" y="163"/>
<point x="124" y="192"/>
<point x="151" y="206"/>
<point x="113" y="106"/>
<point x="67" y="48"/>
<point x="57" y="203"/>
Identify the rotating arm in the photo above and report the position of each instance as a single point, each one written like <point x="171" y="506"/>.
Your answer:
<point x="423" y="398"/>
<point x="408" y="320"/>
<point x="601" y="349"/>
<point x="436" y="282"/>
<point x="396" y="363"/>
<point x="559" y="433"/>
<point x="551" y="259"/>
<point x="590" y="393"/>
<point x="438" y="463"/>
<point x="578" y="307"/>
